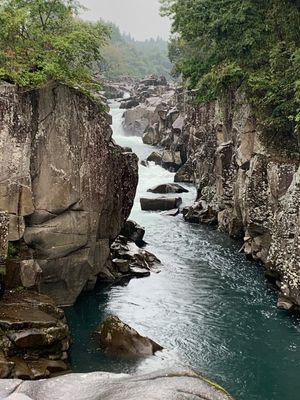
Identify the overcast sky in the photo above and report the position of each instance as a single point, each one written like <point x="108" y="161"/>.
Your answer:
<point x="140" y="18"/>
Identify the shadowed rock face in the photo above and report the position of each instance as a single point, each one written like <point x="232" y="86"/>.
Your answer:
<point x="67" y="187"/>
<point x="171" y="384"/>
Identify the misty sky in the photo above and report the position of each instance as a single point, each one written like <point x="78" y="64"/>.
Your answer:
<point x="140" y="18"/>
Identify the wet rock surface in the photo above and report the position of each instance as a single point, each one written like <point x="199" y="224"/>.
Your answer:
<point x="117" y="337"/>
<point x="170" y="384"/>
<point x="131" y="260"/>
<point x="168" y="188"/>
<point x="160" y="203"/>
<point x="67" y="189"/>
<point x="34" y="336"/>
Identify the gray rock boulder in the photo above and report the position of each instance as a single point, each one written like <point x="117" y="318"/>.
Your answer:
<point x="151" y="135"/>
<point x="134" y="232"/>
<point x="117" y="337"/>
<point x="129" y="103"/>
<point x="155" y="157"/>
<point x="171" y="160"/>
<point x="132" y="261"/>
<point x="169" y="384"/>
<point x="168" y="188"/>
<point x="160" y="203"/>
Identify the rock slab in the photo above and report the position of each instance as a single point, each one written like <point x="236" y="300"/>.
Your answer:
<point x="34" y="336"/>
<point x="170" y="384"/>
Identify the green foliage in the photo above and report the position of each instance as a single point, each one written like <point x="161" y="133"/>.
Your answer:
<point x="124" y="56"/>
<point x="220" y="45"/>
<point x="13" y="251"/>
<point x="43" y="40"/>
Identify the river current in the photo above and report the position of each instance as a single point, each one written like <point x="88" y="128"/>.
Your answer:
<point x="210" y="308"/>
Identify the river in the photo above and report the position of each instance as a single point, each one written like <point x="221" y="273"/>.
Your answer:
<point x="209" y="307"/>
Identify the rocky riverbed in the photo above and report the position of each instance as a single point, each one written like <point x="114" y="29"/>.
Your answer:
<point x="245" y="186"/>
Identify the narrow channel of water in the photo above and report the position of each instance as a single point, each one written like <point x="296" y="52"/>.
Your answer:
<point x="209" y="307"/>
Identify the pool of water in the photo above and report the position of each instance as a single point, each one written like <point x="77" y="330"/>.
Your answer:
<point x="210" y="308"/>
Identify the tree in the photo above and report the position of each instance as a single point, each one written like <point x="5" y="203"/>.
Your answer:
<point x="126" y="56"/>
<point x="220" y="45"/>
<point x="43" y="40"/>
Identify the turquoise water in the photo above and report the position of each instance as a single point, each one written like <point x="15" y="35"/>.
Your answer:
<point x="210" y="308"/>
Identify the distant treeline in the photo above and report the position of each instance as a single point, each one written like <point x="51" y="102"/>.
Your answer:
<point x="125" y="56"/>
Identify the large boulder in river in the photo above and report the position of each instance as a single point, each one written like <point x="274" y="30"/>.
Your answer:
<point x="160" y="203"/>
<point x="151" y="135"/>
<point x="168" y="188"/>
<point x="66" y="186"/>
<point x="185" y="173"/>
<point x="167" y="384"/>
<point x="171" y="160"/>
<point x="117" y="337"/>
<point x="133" y="231"/>
<point x="155" y="157"/>
<point x="130" y="260"/>
<point x="129" y="103"/>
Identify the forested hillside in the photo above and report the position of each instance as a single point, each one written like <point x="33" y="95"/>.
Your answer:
<point x="221" y="45"/>
<point x="124" y="56"/>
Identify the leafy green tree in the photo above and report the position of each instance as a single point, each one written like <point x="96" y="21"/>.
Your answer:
<point x="125" y="56"/>
<point x="43" y="40"/>
<point x="219" y="45"/>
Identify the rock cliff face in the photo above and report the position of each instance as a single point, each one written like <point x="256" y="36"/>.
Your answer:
<point x="66" y="187"/>
<point x="249" y="189"/>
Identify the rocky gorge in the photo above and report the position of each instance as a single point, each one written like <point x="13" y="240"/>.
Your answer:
<point x="245" y="186"/>
<point x="66" y="192"/>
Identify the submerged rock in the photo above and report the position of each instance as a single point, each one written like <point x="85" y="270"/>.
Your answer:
<point x="160" y="203"/>
<point x="117" y="337"/>
<point x="168" y="384"/>
<point x="171" y="160"/>
<point x="171" y="213"/>
<point x="168" y="188"/>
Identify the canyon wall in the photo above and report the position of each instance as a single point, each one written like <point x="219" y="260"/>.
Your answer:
<point x="248" y="187"/>
<point x="65" y="186"/>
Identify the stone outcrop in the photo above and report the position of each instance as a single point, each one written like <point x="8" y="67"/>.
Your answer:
<point x="168" y="188"/>
<point x="148" y="102"/>
<point x="246" y="186"/>
<point x="249" y="188"/>
<point x="170" y="384"/>
<point x="65" y="185"/>
<point x="117" y="337"/>
<point x="34" y="336"/>
<point x="162" y="203"/>
<point x="129" y="260"/>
